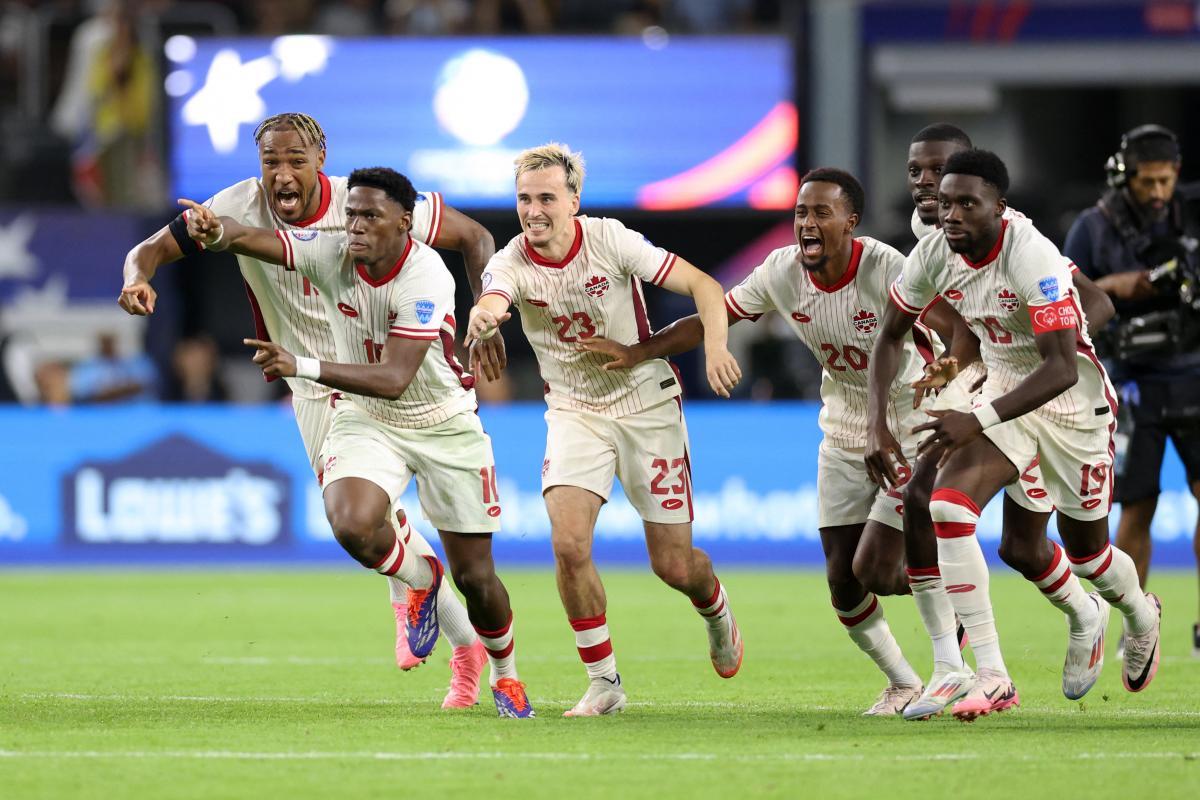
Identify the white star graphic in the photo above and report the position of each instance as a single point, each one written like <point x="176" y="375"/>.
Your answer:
<point x="15" y="259"/>
<point x="229" y="97"/>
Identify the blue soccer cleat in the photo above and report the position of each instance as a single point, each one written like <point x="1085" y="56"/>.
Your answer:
<point x="511" y="700"/>
<point x="421" y="627"/>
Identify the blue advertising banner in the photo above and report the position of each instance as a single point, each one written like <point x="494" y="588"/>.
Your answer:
<point x="222" y="483"/>
<point x="668" y="123"/>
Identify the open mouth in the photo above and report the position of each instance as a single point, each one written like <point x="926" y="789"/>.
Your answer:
<point x="537" y="226"/>
<point x="926" y="202"/>
<point x="288" y="201"/>
<point x="811" y="246"/>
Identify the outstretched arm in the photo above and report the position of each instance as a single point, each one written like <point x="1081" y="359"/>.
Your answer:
<point x="141" y="263"/>
<point x="226" y="233"/>
<point x="720" y="365"/>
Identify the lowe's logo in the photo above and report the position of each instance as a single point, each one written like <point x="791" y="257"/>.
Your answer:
<point x="176" y="492"/>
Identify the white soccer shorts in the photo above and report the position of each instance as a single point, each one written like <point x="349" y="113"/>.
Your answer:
<point x="846" y="495"/>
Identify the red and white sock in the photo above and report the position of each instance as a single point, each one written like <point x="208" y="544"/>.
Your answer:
<point x="714" y="609"/>
<point x="499" y="646"/>
<point x="965" y="572"/>
<point x="397" y="588"/>
<point x="1113" y="574"/>
<point x="1065" y="592"/>
<point x="452" y="615"/>
<point x="869" y="630"/>
<point x="937" y="614"/>
<point x="410" y="568"/>
<point x="595" y="648"/>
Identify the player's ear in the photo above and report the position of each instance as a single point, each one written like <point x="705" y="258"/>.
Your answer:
<point x="1001" y="206"/>
<point x="574" y="204"/>
<point x="320" y="159"/>
<point x="851" y="223"/>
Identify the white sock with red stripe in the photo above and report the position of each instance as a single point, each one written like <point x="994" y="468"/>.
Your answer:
<point x="715" y="609"/>
<point x="1065" y="592"/>
<point x="965" y="572"/>
<point x="937" y="614"/>
<point x="499" y="646"/>
<point x="1113" y="574"/>
<point x="412" y="540"/>
<point x="869" y="630"/>
<point x="452" y="615"/>
<point x="409" y="567"/>
<point x="594" y="646"/>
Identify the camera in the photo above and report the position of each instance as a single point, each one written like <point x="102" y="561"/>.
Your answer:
<point x="1168" y="331"/>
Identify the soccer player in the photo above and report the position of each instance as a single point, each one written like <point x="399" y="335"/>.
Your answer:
<point x="293" y="194"/>
<point x="1024" y="545"/>
<point x="831" y="288"/>
<point x="574" y="277"/>
<point x="404" y="406"/>
<point x="1046" y="396"/>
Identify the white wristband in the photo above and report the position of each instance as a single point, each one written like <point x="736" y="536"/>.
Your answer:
<point x="987" y="416"/>
<point x="216" y="245"/>
<point x="309" y="368"/>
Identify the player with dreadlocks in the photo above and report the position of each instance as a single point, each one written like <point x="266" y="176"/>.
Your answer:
<point x="293" y="193"/>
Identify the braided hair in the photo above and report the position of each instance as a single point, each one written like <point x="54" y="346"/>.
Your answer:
<point x="309" y="129"/>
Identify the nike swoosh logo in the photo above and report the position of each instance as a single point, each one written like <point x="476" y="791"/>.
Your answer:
<point x="1140" y="679"/>
<point x="992" y="694"/>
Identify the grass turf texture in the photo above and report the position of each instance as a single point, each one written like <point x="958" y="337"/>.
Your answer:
<point x="281" y="684"/>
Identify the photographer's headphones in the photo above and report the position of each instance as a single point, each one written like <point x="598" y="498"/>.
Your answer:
<point x="1116" y="169"/>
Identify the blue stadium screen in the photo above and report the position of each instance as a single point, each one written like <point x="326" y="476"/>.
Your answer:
<point x="678" y="123"/>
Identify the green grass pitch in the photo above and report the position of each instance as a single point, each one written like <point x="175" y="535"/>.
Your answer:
<point x="280" y="684"/>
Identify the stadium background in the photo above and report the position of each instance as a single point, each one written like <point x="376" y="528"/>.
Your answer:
<point x="695" y="117"/>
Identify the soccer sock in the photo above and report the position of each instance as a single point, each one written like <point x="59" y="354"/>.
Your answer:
<point x="452" y="615"/>
<point x="869" y="630"/>
<point x="966" y="574"/>
<point x="937" y="613"/>
<point x="408" y="567"/>
<point x="715" y="609"/>
<point x="1113" y="574"/>
<point x="594" y="646"/>
<point x="413" y="540"/>
<point x="1065" y="592"/>
<point x="499" y="646"/>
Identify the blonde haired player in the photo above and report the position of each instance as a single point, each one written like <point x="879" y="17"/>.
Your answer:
<point x="574" y="277"/>
<point x="293" y="193"/>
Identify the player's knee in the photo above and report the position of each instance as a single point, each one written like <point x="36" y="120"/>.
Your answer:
<point x="356" y="533"/>
<point x="916" y="497"/>
<point x="674" y="571"/>
<point x="571" y="554"/>
<point x="871" y="571"/>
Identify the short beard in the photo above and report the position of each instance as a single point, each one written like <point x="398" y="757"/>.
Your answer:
<point x="819" y="265"/>
<point x="962" y="246"/>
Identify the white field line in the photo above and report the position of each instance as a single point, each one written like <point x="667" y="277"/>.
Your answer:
<point x="723" y="757"/>
<point x="1094" y="710"/>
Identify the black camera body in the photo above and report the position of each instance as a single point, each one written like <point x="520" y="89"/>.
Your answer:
<point x="1168" y="331"/>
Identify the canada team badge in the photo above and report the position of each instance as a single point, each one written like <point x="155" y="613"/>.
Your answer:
<point x="865" y="321"/>
<point x="596" y="286"/>
<point x="1008" y="300"/>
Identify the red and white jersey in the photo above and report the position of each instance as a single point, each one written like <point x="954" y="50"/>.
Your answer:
<point x="1021" y="288"/>
<point x="596" y="290"/>
<point x="415" y="300"/>
<point x="839" y="324"/>
<point x="285" y="304"/>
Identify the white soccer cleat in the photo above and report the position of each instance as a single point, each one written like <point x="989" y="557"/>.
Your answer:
<point x="993" y="691"/>
<point x="1142" y="652"/>
<point x="1085" y="653"/>
<point x="893" y="700"/>
<point x="602" y="697"/>
<point x="945" y="687"/>
<point x="725" y="647"/>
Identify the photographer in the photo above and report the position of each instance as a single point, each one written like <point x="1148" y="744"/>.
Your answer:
<point x="1139" y="244"/>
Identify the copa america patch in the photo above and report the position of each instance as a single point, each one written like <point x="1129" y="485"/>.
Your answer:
<point x="424" y="309"/>
<point x="1049" y="288"/>
<point x="304" y="236"/>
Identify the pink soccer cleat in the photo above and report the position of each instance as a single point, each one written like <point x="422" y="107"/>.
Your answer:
<point x="405" y="660"/>
<point x="466" y="665"/>
<point x="993" y="692"/>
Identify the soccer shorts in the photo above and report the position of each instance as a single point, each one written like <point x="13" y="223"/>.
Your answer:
<point x="1029" y="491"/>
<point x="647" y="451"/>
<point x="313" y="418"/>
<point x="452" y="462"/>
<point x="846" y="495"/>
<point x="1076" y="464"/>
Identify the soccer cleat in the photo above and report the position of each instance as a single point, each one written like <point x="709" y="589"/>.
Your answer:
<point x="466" y="665"/>
<point x="993" y="691"/>
<point x="945" y="687"/>
<point x="725" y="647"/>
<point x="421" y="627"/>
<point x="893" y="700"/>
<point x="511" y="700"/>
<point x="405" y="660"/>
<point x="1085" y="654"/>
<point x="1141" y="652"/>
<point x="602" y="697"/>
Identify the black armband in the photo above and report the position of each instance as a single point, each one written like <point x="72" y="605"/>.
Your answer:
<point x="178" y="229"/>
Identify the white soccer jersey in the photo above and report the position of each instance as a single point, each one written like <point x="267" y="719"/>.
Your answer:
<point x="1021" y="288"/>
<point x="839" y="324"/>
<point x="596" y="290"/>
<point x="285" y="304"/>
<point x="415" y="300"/>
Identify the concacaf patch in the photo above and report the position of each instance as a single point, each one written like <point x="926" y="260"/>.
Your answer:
<point x="1049" y="288"/>
<point x="424" y="309"/>
<point x="304" y="236"/>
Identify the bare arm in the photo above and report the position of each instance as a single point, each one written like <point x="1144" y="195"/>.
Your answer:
<point x="882" y="447"/>
<point x="1097" y="305"/>
<point x="680" y="336"/>
<point x="722" y="368"/>
<point x="141" y="263"/>
<point x="486" y="317"/>
<point x="460" y="232"/>
<point x="226" y="233"/>
<point x="398" y="364"/>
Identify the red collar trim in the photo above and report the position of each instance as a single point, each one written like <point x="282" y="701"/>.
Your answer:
<point x="392" y="273"/>
<point x="995" y="251"/>
<point x="326" y="198"/>
<point x="545" y="262"/>
<point x="856" y="250"/>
